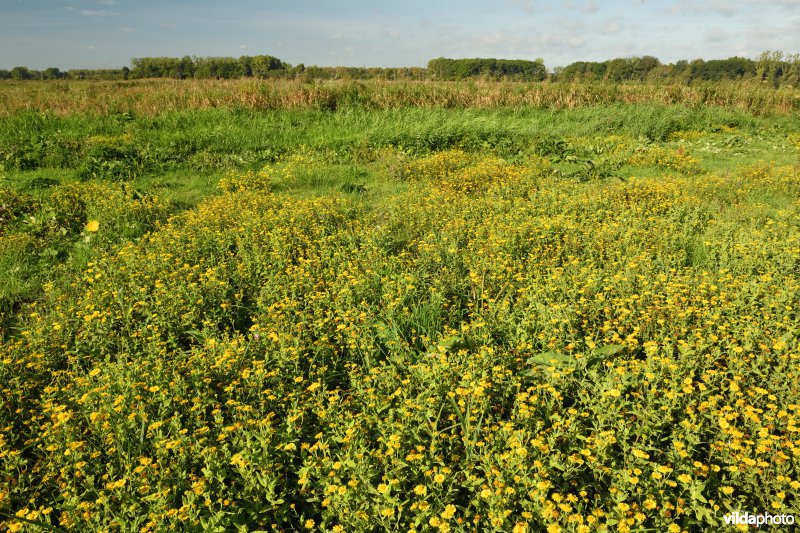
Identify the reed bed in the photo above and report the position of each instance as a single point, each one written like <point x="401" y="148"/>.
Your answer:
<point x="151" y="97"/>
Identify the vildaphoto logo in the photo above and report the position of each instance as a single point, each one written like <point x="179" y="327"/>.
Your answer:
<point x="758" y="520"/>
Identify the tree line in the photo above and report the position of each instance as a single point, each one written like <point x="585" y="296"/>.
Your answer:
<point x="772" y="67"/>
<point x="459" y="69"/>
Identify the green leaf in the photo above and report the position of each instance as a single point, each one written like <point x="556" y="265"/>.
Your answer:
<point x="604" y="353"/>
<point x="609" y="349"/>
<point x="551" y="359"/>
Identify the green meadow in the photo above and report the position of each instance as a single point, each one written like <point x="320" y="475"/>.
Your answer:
<point x="416" y="306"/>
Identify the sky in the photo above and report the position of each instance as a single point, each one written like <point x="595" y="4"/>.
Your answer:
<point x="108" y="33"/>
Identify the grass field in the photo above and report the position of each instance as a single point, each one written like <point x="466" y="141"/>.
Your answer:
<point x="468" y="307"/>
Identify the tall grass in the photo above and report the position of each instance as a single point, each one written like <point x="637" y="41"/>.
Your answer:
<point x="152" y="97"/>
<point x="120" y="146"/>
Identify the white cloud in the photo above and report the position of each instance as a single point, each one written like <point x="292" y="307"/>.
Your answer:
<point x="243" y="47"/>
<point x="167" y="26"/>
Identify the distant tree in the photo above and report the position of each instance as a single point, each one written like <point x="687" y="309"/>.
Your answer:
<point x="20" y="73"/>
<point x="791" y="75"/>
<point x="643" y="65"/>
<point x="661" y="74"/>
<point x="185" y="68"/>
<point x="95" y="74"/>
<point x="246" y="66"/>
<point x="5" y="74"/>
<point x="618" y="70"/>
<point x="695" y="67"/>
<point x="770" y="67"/>
<point x="583" y="71"/>
<point x="265" y="66"/>
<point x="52" y="73"/>
<point x="459" y="69"/>
<point x="733" y="68"/>
<point x="217" y="67"/>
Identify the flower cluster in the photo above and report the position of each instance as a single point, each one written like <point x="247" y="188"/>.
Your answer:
<point x="248" y="181"/>
<point x="674" y="160"/>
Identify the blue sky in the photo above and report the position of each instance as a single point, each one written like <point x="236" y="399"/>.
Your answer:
<point x="108" y="33"/>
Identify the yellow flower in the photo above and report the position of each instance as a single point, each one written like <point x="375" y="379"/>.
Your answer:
<point x="309" y="524"/>
<point x="116" y="484"/>
<point x="420" y="490"/>
<point x="92" y="226"/>
<point x="448" y="512"/>
<point x="238" y="460"/>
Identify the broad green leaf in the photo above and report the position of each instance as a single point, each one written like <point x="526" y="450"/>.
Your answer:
<point x="551" y="359"/>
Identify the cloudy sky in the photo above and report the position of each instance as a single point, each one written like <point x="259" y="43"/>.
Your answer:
<point x="108" y="33"/>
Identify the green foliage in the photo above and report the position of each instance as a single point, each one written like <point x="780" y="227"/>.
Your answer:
<point x="614" y="70"/>
<point x="734" y="68"/>
<point x="511" y="69"/>
<point x="205" y="67"/>
<point x="21" y="73"/>
<point x="772" y="67"/>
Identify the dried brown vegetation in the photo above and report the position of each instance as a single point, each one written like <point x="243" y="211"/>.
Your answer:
<point x="157" y="96"/>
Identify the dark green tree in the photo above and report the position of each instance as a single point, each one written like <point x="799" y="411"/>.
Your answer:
<point x="20" y="73"/>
